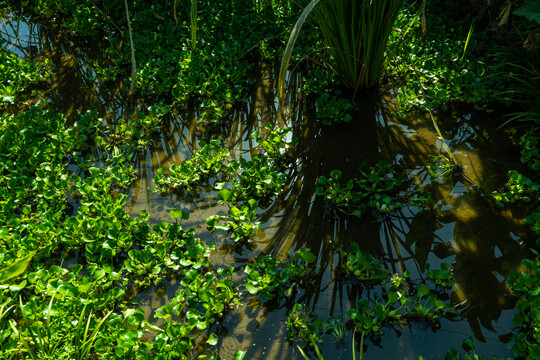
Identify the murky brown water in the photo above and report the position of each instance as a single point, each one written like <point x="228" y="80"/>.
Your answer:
<point x="462" y="228"/>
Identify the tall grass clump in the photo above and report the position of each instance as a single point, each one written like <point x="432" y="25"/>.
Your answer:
<point x="356" y="34"/>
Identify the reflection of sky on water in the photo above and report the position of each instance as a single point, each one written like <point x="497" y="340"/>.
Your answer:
<point x="18" y="36"/>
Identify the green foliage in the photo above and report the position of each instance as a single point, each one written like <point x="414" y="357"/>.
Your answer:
<point x="518" y="188"/>
<point x="530" y="10"/>
<point x="86" y="311"/>
<point x="276" y="143"/>
<point x="333" y="109"/>
<point x="361" y="266"/>
<point x="18" y="75"/>
<point x="379" y="190"/>
<point x="525" y="284"/>
<point x="264" y="175"/>
<point x="398" y="304"/>
<point x="275" y="278"/>
<point x="242" y="225"/>
<point x="63" y="191"/>
<point x="442" y="276"/>
<point x="213" y="75"/>
<point x="36" y="151"/>
<point x="471" y="354"/>
<point x="530" y="149"/>
<point x="442" y="167"/>
<point x="16" y="268"/>
<point x="356" y="34"/>
<point x="57" y="334"/>
<point x="330" y="105"/>
<point x="206" y="162"/>
<point x="521" y="69"/>
<point x="80" y="18"/>
<point x="261" y="177"/>
<point x="432" y="69"/>
<point x="305" y="325"/>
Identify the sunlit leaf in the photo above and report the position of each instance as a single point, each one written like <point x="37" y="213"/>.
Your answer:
<point x="16" y="268"/>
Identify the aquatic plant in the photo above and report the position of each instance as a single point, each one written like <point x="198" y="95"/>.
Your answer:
<point x="121" y="253"/>
<point x="433" y="67"/>
<point x="518" y="188"/>
<point x="361" y="266"/>
<point x="471" y="354"/>
<point x="307" y="326"/>
<point x="206" y="162"/>
<point x="524" y="87"/>
<point x="273" y="278"/>
<point x="356" y="35"/>
<point x="443" y="167"/>
<point x="333" y="109"/>
<point x="332" y="106"/>
<point x="525" y="284"/>
<point x="377" y="190"/>
<point x="522" y="191"/>
<point x="242" y="224"/>
<point x="261" y="177"/>
<point x="17" y="75"/>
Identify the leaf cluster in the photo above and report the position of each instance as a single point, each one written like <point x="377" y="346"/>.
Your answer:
<point x="377" y="190"/>
<point x="271" y="277"/>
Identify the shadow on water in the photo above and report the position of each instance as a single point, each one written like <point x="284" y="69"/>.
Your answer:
<point x="71" y="88"/>
<point x="460" y="227"/>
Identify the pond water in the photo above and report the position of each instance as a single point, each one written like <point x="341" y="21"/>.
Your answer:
<point x="461" y="226"/>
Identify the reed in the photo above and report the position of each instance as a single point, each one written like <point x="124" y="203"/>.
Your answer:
<point x="356" y="34"/>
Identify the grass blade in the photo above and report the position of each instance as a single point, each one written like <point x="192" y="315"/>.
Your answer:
<point x="194" y="14"/>
<point x="302" y="352"/>
<point x="290" y="46"/>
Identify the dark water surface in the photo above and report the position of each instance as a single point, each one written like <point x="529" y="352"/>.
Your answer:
<point x="461" y="227"/>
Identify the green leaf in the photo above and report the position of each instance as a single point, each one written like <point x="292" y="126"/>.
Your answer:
<point x="235" y="212"/>
<point x="308" y="257"/>
<point x="336" y="174"/>
<point x="469" y="342"/>
<point x="225" y="195"/>
<point x="252" y="289"/>
<point x="176" y="213"/>
<point x="213" y="339"/>
<point x="15" y="269"/>
<point x="531" y="10"/>
<point x="239" y="355"/>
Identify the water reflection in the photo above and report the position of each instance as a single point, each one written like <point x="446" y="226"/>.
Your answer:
<point x="461" y="227"/>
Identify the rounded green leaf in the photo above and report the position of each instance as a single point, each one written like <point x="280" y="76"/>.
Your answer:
<point x="213" y="339"/>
